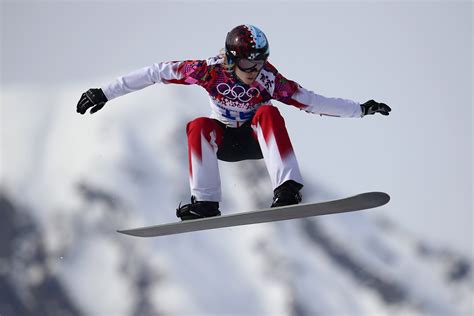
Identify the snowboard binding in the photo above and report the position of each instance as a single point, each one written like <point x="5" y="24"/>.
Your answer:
<point x="287" y="193"/>
<point x="197" y="209"/>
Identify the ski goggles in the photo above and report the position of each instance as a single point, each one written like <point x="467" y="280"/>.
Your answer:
<point x="247" y="65"/>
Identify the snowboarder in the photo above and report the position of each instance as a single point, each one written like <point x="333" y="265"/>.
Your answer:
<point x="243" y="124"/>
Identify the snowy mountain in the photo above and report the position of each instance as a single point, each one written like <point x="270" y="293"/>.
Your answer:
<point x="69" y="182"/>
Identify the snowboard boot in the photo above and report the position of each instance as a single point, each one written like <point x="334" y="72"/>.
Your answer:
<point x="197" y="209"/>
<point x="287" y="193"/>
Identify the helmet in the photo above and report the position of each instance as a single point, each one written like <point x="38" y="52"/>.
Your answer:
<point x="246" y="41"/>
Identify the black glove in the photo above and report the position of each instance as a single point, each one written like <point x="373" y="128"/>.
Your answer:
<point x="92" y="98"/>
<point x="372" y="107"/>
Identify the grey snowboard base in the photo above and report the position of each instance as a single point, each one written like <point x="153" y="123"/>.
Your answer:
<point x="355" y="203"/>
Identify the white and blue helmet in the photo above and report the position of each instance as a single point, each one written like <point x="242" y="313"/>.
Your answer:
<point x="246" y="41"/>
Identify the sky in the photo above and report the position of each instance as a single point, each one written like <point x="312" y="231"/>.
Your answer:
<point x="414" y="56"/>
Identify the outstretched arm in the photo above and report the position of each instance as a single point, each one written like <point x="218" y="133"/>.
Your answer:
<point x="290" y="92"/>
<point x="315" y="103"/>
<point x="318" y="104"/>
<point x="166" y="72"/>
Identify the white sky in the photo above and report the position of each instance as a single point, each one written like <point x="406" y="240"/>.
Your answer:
<point x="415" y="56"/>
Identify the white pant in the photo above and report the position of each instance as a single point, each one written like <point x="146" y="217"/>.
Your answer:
<point x="205" y="135"/>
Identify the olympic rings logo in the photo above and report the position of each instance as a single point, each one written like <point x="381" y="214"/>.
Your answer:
<point x="237" y="92"/>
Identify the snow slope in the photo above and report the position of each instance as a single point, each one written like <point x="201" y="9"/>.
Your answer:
<point x="69" y="181"/>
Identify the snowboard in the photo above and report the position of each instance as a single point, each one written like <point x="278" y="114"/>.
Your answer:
<point x="354" y="203"/>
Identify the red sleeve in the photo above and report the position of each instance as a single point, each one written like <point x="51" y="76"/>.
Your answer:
<point x="183" y="72"/>
<point x="283" y="88"/>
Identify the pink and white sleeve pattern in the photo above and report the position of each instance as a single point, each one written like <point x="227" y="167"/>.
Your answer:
<point x="290" y="92"/>
<point x="164" y="72"/>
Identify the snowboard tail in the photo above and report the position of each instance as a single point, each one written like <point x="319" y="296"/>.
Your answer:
<point x="355" y="203"/>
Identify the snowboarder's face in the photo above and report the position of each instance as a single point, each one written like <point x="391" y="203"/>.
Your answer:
<point x="247" y="70"/>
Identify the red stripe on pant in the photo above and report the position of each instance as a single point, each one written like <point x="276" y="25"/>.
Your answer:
<point x="272" y="123"/>
<point x="202" y="126"/>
